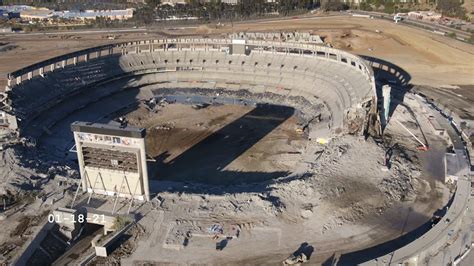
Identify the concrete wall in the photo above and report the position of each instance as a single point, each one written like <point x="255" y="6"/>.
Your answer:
<point x="107" y="219"/>
<point x="319" y="52"/>
<point x="422" y="249"/>
<point x="115" y="180"/>
<point x="311" y="70"/>
<point x="103" y="249"/>
<point x="34" y="244"/>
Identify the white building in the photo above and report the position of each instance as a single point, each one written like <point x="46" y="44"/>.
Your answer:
<point x="44" y="14"/>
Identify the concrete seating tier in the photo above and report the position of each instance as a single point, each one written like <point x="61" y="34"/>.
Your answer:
<point x="339" y="86"/>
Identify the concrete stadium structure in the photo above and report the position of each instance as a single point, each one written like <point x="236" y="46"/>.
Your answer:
<point x="338" y="79"/>
<point x="43" y="99"/>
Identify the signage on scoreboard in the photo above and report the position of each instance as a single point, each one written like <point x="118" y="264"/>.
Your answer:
<point x="107" y="140"/>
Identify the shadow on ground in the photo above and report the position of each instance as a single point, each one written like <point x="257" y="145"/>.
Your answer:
<point x="386" y="248"/>
<point x="387" y="73"/>
<point x="206" y="161"/>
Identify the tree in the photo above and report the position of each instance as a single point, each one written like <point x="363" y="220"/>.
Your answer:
<point x="286" y="6"/>
<point x="144" y="15"/>
<point x="451" y="8"/>
<point x="389" y="8"/>
<point x="451" y="34"/>
<point x="333" y="5"/>
<point x="365" y="6"/>
<point x="153" y="4"/>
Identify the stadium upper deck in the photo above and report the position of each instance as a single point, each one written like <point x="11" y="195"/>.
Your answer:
<point x="338" y="79"/>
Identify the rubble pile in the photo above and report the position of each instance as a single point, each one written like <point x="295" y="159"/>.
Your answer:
<point x="24" y="169"/>
<point x="309" y="111"/>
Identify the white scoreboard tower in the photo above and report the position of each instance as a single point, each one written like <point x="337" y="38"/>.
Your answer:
<point x="112" y="160"/>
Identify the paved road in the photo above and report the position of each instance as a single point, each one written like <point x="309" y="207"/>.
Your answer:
<point x="128" y="30"/>
<point x="418" y="24"/>
<point x="155" y="28"/>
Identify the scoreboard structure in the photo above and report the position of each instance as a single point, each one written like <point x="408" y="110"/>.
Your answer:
<point x="112" y="160"/>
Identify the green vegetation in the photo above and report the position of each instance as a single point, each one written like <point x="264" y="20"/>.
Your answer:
<point x="121" y="221"/>
<point x="72" y="4"/>
<point x="152" y="10"/>
<point x="451" y="35"/>
<point x="365" y="6"/>
<point x="216" y="10"/>
<point x="471" y="41"/>
<point x="333" y="5"/>
<point x="451" y="8"/>
<point x="389" y="7"/>
<point x="153" y="4"/>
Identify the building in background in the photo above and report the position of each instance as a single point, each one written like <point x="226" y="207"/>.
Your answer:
<point x="30" y="13"/>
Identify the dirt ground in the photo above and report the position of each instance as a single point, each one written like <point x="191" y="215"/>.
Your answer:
<point x="324" y="208"/>
<point x="246" y="143"/>
<point x="430" y="59"/>
<point x="323" y="200"/>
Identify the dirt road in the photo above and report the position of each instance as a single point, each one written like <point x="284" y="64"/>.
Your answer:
<point x="430" y="59"/>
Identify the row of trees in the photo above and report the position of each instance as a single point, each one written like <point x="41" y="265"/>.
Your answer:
<point x="245" y="8"/>
<point x="452" y="8"/>
<point x="218" y="10"/>
<point x="71" y="4"/>
<point x="205" y="10"/>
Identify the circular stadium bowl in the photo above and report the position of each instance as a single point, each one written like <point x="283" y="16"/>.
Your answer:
<point x="38" y="93"/>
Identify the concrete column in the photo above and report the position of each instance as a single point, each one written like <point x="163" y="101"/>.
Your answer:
<point x="86" y="57"/>
<point x="9" y="84"/>
<point x="137" y="49"/>
<point x="52" y="66"/>
<point x="80" y="160"/>
<point x="30" y="75"/>
<point x="18" y="80"/>
<point x="74" y="60"/>
<point x="111" y="51"/>
<point x="63" y="63"/>
<point x="41" y="71"/>
<point x="386" y="94"/>
<point x="144" y="167"/>
<point x="97" y="54"/>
